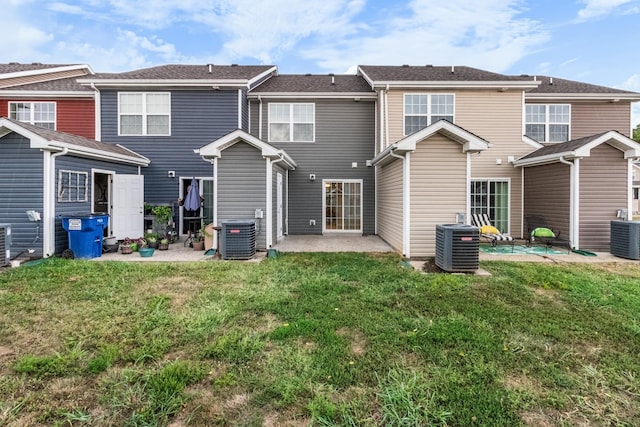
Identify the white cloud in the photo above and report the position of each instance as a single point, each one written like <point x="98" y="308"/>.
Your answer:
<point x="597" y="8"/>
<point x="494" y="37"/>
<point x="633" y="84"/>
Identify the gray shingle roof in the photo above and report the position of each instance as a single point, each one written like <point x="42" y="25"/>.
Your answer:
<point x="562" y="147"/>
<point x="16" y="67"/>
<point x="80" y="141"/>
<point x="561" y="86"/>
<point x="189" y="72"/>
<point x="434" y="73"/>
<point x="64" y="85"/>
<point x="314" y="83"/>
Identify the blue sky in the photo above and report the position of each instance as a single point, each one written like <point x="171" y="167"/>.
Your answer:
<point x="594" y="41"/>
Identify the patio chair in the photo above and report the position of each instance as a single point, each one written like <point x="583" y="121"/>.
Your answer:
<point x="539" y="231"/>
<point x="490" y="233"/>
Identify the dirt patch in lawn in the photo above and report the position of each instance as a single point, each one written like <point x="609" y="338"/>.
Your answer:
<point x="358" y="343"/>
<point x="430" y="266"/>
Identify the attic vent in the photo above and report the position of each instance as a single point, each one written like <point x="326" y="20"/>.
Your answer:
<point x="308" y="74"/>
<point x="550" y="80"/>
<point x="210" y="67"/>
<point x="234" y="65"/>
<point x="429" y="65"/>
<point x="453" y="69"/>
<point x="405" y="65"/>
<point x="36" y="63"/>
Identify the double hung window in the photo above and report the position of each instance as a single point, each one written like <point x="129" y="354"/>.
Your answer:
<point x="147" y="113"/>
<point x="548" y="122"/>
<point x="421" y="110"/>
<point x="41" y="114"/>
<point x="291" y="122"/>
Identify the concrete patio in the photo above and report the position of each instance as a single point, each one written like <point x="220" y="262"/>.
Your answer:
<point x="345" y="243"/>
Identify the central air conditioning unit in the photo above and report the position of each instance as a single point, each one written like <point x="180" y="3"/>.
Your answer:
<point x="625" y="239"/>
<point x="238" y="239"/>
<point x="457" y="247"/>
<point x="5" y="244"/>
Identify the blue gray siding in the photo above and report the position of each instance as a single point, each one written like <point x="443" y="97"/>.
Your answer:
<point x="242" y="186"/>
<point x="21" y="189"/>
<point x="62" y="209"/>
<point x="344" y="133"/>
<point x="197" y="118"/>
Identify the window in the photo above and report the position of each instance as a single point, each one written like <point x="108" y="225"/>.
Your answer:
<point x="144" y="113"/>
<point x="491" y="197"/>
<point x="291" y="122"/>
<point x="72" y="186"/>
<point x="421" y="110"/>
<point x="42" y="114"/>
<point x="548" y="123"/>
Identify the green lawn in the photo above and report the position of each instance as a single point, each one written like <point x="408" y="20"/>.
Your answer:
<point x="318" y="339"/>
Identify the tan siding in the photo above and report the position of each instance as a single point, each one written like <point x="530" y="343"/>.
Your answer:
<point x="438" y="190"/>
<point x="603" y="190"/>
<point x="492" y="115"/>
<point x="16" y="81"/>
<point x="547" y="194"/>
<point x="590" y="119"/>
<point x="390" y="206"/>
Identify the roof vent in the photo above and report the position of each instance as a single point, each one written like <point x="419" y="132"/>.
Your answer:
<point x="429" y="65"/>
<point x="210" y="66"/>
<point x="234" y="65"/>
<point x="36" y="63"/>
<point x="333" y="80"/>
<point x="453" y="69"/>
<point x="550" y="80"/>
<point x="405" y="65"/>
<point x="308" y="74"/>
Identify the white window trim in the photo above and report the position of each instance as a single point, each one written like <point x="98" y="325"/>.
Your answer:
<point x="429" y="115"/>
<point x="547" y="123"/>
<point x="144" y="114"/>
<point x="324" y="204"/>
<point x="31" y="119"/>
<point x="291" y="122"/>
<point x="81" y="192"/>
<point x="489" y="180"/>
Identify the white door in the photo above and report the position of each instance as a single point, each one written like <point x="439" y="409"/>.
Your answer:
<point x="342" y="203"/>
<point x="279" y="217"/>
<point x="128" y="206"/>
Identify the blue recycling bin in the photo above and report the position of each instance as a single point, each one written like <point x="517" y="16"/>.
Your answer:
<point x="85" y="233"/>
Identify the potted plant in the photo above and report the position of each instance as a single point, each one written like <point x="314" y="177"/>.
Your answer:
<point x="198" y="241"/>
<point x="164" y="244"/>
<point x="140" y="243"/>
<point x="126" y="247"/>
<point x="152" y="240"/>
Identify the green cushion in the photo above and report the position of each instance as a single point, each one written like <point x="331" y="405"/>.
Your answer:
<point x="542" y="232"/>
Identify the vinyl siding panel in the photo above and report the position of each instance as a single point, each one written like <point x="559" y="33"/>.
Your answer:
<point x="20" y="190"/>
<point x="547" y="194"/>
<point x="603" y="190"/>
<point x="438" y="190"/>
<point x="344" y="133"/>
<point x="242" y="186"/>
<point x="16" y="81"/>
<point x="390" y="204"/>
<point x="76" y="117"/>
<point x="197" y="118"/>
<point x="67" y="208"/>
<point x="590" y="118"/>
<point x="492" y="115"/>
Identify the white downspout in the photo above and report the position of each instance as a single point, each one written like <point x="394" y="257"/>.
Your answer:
<point x="239" y="108"/>
<point x="522" y="202"/>
<point x="386" y="115"/>
<point x="49" y="202"/>
<point x="381" y="120"/>
<point x="468" y="192"/>
<point x="214" y="163"/>
<point x="98" y="109"/>
<point x="260" y="118"/>
<point x="406" y="226"/>
<point x="630" y="190"/>
<point x="574" y="199"/>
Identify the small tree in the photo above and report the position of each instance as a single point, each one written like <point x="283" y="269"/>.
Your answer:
<point x="636" y="133"/>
